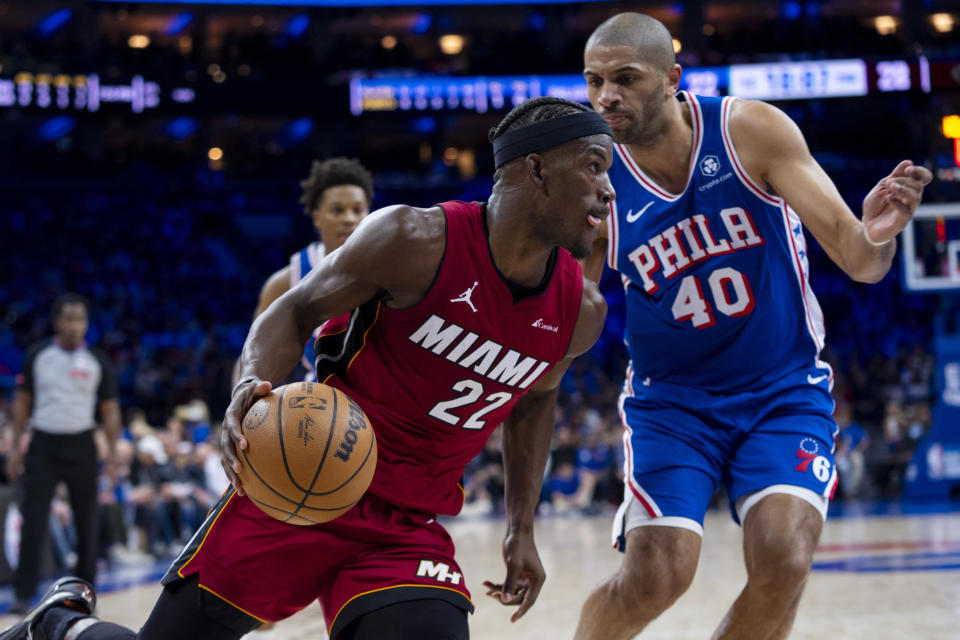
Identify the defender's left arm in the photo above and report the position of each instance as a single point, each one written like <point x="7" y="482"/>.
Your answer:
<point x="526" y="445"/>
<point x="775" y="155"/>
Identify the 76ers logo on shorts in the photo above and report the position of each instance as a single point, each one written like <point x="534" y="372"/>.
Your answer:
<point x="808" y="453"/>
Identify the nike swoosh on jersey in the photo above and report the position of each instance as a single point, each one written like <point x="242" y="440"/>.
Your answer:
<point x="816" y="380"/>
<point x="633" y="217"/>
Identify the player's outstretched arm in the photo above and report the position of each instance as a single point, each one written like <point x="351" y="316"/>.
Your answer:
<point x="775" y="155"/>
<point x="526" y="444"/>
<point x="394" y="254"/>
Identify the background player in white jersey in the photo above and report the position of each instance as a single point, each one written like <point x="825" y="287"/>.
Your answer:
<point x="336" y="195"/>
<point x="725" y="383"/>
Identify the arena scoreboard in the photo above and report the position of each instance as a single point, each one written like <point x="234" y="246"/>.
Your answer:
<point x="86" y="92"/>
<point x="413" y="92"/>
<point x="795" y="80"/>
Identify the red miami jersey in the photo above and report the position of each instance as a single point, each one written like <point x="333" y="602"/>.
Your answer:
<point x="436" y="378"/>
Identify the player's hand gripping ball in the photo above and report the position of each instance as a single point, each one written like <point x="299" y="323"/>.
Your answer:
<point x="310" y="454"/>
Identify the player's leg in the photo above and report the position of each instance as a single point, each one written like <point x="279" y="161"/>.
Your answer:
<point x="410" y="620"/>
<point x="658" y="566"/>
<point x="780" y="535"/>
<point x="64" y="614"/>
<point x="780" y="480"/>
<point x="673" y="461"/>
<point x="404" y="583"/>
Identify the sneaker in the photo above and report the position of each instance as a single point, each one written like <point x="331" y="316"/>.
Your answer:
<point x="69" y="592"/>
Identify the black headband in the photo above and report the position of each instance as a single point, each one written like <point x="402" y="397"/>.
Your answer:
<point x="547" y="134"/>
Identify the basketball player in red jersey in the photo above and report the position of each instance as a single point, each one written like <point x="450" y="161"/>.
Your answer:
<point x="462" y="317"/>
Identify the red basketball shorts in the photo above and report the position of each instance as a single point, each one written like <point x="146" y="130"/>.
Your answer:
<point x="261" y="569"/>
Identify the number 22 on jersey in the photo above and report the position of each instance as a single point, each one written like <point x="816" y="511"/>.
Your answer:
<point x="471" y="391"/>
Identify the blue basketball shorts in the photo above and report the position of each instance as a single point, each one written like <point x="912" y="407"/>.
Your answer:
<point x="680" y="443"/>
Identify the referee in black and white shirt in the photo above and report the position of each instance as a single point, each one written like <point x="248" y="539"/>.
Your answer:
<point x="62" y="384"/>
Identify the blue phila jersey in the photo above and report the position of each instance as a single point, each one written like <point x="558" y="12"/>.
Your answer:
<point x="716" y="277"/>
<point x="300" y="265"/>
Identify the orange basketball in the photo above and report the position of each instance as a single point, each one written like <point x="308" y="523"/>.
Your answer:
<point x="310" y="453"/>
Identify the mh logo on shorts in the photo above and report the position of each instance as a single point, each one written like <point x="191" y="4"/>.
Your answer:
<point x="808" y="453"/>
<point x="439" y="571"/>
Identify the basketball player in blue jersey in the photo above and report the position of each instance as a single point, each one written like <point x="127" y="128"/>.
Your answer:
<point x="724" y="335"/>
<point x="337" y="196"/>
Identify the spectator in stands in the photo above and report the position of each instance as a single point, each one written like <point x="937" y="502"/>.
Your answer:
<point x="852" y="445"/>
<point x="594" y="460"/>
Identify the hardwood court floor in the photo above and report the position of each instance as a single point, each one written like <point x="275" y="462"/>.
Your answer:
<point x="877" y="578"/>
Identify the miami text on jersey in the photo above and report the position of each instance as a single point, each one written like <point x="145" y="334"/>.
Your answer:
<point x="511" y="368"/>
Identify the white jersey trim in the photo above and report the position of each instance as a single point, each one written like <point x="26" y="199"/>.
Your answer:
<point x="630" y="515"/>
<point x="742" y="175"/>
<point x="613" y="236"/>
<point x="315" y="253"/>
<point x="816" y="500"/>
<point x="696" y="119"/>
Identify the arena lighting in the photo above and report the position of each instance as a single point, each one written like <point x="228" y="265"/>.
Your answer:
<point x="388" y="42"/>
<point x="951" y="129"/>
<point x="790" y="10"/>
<point x="451" y="44"/>
<point x="885" y="25"/>
<point x="138" y="41"/>
<point x="215" y="154"/>
<point x="298" y="25"/>
<point x="951" y="126"/>
<point x="53" y="21"/>
<point x="942" y="22"/>
<point x="55" y="128"/>
<point x="179" y="22"/>
<point x="677" y="46"/>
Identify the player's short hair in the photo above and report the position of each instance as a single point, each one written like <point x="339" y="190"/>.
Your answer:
<point x="69" y="298"/>
<point x="648" y="36"/>
<point x="535" y="110"/>
<point x="334" y="173"/>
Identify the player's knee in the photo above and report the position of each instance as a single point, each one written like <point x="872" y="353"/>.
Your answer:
<point x="780" y="565"/>
<point x="646" y="595"/>
<point x="792" y="570"/>
<point x="659" y="568"/>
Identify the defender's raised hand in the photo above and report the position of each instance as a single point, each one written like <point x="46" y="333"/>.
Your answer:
<point x="891" y="203"/>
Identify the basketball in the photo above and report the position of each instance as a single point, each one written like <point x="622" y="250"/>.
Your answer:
<point x="310" y="455"/>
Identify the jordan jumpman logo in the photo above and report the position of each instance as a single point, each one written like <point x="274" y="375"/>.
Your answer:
<point x="465" y="297"/>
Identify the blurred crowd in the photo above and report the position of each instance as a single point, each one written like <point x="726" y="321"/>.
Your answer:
<point x="164" y="480"/>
